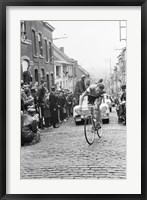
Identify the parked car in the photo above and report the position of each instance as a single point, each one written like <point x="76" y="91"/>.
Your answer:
<point x="79" y="117"/>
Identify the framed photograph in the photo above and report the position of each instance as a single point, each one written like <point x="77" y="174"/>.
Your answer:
<point x="72" y="118"/>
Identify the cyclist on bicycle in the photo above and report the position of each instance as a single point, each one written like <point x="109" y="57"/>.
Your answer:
<point x="95" y="94"/>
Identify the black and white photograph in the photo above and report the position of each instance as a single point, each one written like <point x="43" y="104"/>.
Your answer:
<point x="73" y="87"/>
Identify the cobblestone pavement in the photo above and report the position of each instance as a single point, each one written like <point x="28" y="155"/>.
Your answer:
<point x="63" y="153"/>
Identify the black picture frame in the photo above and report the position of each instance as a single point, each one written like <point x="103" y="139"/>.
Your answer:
<point x="3" y="117"/>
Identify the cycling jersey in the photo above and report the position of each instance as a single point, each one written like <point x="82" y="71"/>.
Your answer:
<point x="93" y="94"/>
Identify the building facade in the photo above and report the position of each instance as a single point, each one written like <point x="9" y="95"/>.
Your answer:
<point x="119" y="73"/>
<point x="37" y="51"/>
<point x="67" y="71"/>
<point x="64" y="69"/>
<point x="81" y="71"/>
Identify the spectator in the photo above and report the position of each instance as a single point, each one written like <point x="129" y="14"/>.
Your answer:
<point x="53" y="108"/>
<point x="27" y="77"/>
<point x="29" y="130"/>
<point x="80" y="88"/>
<point x="62" y="106"/>
<point x="29" y="100"/>
<point x="87" y="83"/>
<point x="40" y="94"/>
<point x="58" y="104"/>
<point x="47" y="113"/>
<point x="123" y="95"/>
<point x="69" y="104"/>
<point x="34" y="95"/>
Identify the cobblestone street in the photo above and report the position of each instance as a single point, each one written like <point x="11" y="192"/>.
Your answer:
<point x="64" y="153"/>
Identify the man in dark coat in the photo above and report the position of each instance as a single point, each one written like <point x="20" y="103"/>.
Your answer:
<point x="27" y="76"/>
<point x="53" y="108"/>
<point x="80" y="88"/>
<point x="40" y="94"/>
<point x="123" y="95"/>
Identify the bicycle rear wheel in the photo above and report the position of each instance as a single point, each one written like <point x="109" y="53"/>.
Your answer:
<point x="89" y="130"/>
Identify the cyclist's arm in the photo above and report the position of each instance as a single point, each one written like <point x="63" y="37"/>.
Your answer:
<point x="99" y="101"/>
<point x="82" y="97"/>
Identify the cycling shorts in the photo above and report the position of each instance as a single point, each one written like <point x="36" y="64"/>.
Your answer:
<point x="91" y="99"/>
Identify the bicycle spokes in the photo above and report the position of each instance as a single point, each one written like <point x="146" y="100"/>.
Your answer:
<point x="89" y="130"/>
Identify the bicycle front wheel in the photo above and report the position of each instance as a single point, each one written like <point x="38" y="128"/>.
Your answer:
<point x="100" y="130"/>
<point x="89" y="130"/>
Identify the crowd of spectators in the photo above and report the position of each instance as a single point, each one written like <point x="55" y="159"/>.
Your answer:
<point x="46" y="108"/>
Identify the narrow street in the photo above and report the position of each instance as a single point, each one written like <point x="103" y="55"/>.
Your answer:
<point x="64" y="153"/>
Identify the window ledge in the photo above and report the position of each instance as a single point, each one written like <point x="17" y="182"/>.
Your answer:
<point x="26" y="41"/>
<point x="35" y="56"/>
<point x="40" y="56"/>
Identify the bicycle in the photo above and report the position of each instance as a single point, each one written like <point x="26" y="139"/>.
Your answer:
<point x="90" y="128"/>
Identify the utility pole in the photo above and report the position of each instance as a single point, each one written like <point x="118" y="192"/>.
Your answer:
<point x="122" y="27"/>
<point x="109" y="60"/>
<point x="64" y="37"/>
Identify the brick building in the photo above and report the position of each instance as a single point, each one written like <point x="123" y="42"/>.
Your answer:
<point x="36" y="51"/>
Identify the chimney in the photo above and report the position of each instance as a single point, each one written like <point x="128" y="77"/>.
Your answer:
<point x="62" y="49"/>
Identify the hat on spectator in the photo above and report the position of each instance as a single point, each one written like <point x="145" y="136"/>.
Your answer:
<point x="26" y="90"/>
<point x="33" y="90"/>
<point x="57" y="92"/>
<point x="31" y="110"/>
<point x="22" y="82"/>
<point x="123" y="87"/>
<point x="83" y="76"/>
<point x="43" y="80"/>
<point x="53" y="88"/>
<point x="26" y="86"/>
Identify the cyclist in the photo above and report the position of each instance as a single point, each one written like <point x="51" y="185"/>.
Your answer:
<point x="95" y="94"/>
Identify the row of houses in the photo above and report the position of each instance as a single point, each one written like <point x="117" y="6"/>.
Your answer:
<point x="118" y="76"/>
<point x="45" y="59"/>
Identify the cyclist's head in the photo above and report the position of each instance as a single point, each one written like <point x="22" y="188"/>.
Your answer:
<point x="123" y="87"/>
<point x="100" y="87"/>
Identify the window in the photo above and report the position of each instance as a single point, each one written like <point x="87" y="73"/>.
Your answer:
<point x="34" y="42"/>
<point x="40" y="44"/>
<point x="50" y="51"/>
<point x="42" y="73"/>
<point x="57" y="70"/>
<point x="48" y="82"/>
<point x="23" y="30"/>
<point x="36" y="75"/>
<point x="46" y="51"/>
<point x="52" y="79"/>
<point x="25" y="65"/>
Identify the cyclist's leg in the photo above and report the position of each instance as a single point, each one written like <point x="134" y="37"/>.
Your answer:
<point x="97" y="114"/>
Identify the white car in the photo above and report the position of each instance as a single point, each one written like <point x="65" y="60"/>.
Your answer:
<point x="79" y="118"/>
<point x="105" y="111"/>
